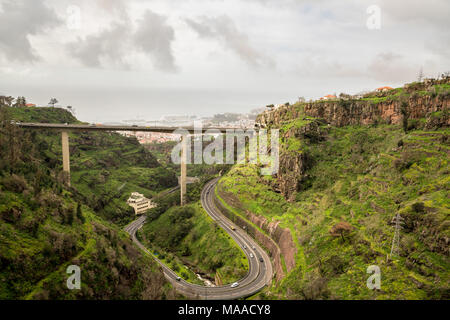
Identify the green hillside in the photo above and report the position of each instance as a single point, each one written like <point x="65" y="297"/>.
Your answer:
<point x="105" y="167"/>
<point x="356" y="179"/>
<point x="46" y="226"/>
<point x="42" y="115"/>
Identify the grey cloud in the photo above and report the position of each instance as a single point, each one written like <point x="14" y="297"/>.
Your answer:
<point x="223" y="29"/>
<point x="431" y="12"/>
<point x="153" y="37"/>
<point x="429" y="18"/>
<point x="320" y="66"/>
<point x="392" y="67"/>
<point x="109" y="44"/>
<point x="18" y="21"/>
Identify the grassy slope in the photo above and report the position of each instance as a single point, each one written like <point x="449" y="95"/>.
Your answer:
<point x="42" y="232"/>
<point x="34" y="260"/>
<point x="43" y="115"/>
<point x="105" y="167"/>
<point x="113" y="168"/>
<point x="189" y="236"/>
<point x="361" y="176"/>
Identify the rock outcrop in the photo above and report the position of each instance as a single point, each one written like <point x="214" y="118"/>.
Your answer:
<point x="375" y="108"/>
<point x="294" y="163"/>
<point x="360" y="112"/>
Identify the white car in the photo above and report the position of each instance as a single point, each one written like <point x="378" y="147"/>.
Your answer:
<point x="178" y="278"/>
<point x="251" y="255"/>
<point x="234" y="285"/>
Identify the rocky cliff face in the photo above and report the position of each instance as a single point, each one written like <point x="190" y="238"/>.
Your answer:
<point x="376" y="108"/>
<point x="294" y="162"/>
<point x="360" y="112"/>
<point x="345" y="113"/>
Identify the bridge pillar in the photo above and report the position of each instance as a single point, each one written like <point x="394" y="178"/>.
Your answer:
<point x="184" y="139"/>
<point x="66" y="154"/>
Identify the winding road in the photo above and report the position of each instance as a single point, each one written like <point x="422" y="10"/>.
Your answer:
<point x="258" y="275"/>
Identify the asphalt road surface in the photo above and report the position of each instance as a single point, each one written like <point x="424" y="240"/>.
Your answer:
<point x="259" y="274"/>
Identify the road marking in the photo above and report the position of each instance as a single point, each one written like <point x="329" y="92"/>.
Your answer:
<point x="251" y="283"/>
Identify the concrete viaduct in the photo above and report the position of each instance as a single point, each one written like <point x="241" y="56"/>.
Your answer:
<point x="65" y="128"/>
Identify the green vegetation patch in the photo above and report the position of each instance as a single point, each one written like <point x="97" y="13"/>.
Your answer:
<point x="193" y="239"/>
<point x="341" y="218"/>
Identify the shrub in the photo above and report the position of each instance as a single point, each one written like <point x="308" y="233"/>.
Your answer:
<point x="413" y="124"/>
<point x="15" y="183"/>
<point x="340" y="229"/>
<point x="418" y="207"/>
<point x="315" y="287"/>
<point x="334" y="265"/>
<point x="407" y="160"/>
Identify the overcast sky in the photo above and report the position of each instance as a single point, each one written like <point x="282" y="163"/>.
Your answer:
<point x="116" y="59"/>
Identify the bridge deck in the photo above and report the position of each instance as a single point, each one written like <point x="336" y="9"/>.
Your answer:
<point x="83" y="127"/>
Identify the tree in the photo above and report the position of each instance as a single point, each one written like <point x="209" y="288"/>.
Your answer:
<point x="53" y="101"/>
<point x="6" y="101"/>
<point x="341" y="228"/>
<point x="344" y="96"/>
<point x="20" y="102"/>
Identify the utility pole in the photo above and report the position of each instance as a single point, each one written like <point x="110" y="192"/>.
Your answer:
<point x="398" y="220"/>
